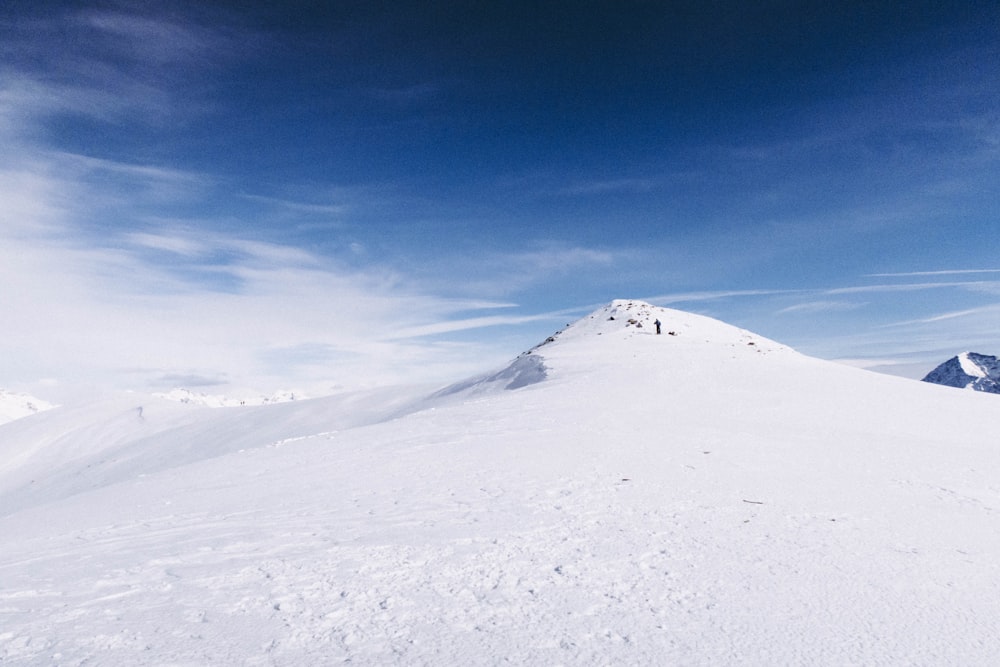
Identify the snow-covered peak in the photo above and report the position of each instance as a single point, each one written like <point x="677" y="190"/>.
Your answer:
<point x="970" y="366"/>
<point x="968" y="370"/>
<point x="16" y="405"/>
<point x="625" y="319"/>
<point x="621" y="338"/>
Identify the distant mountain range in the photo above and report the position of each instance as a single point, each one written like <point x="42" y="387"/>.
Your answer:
<point x="15" y="405"/>
<point x="969" y="370"/>
<point x="181" y="395"/>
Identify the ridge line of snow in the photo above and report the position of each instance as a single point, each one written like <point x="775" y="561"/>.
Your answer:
<point x="970" y="367"/>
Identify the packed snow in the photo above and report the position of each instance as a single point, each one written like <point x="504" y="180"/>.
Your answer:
<point x="702" y="496"/>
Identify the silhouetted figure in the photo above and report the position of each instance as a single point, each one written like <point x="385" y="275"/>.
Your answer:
<point x="657" y="323"/>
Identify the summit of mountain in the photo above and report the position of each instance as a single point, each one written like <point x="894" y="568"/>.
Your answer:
<point x="968" y="370"/>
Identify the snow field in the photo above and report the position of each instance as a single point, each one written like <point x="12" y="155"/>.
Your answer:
<point x="687" y="499"/>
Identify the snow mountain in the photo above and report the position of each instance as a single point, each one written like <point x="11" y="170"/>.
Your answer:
<point x="968" y="370"/>
<point x="704" y="496"/>
<point x="14" y="405"/>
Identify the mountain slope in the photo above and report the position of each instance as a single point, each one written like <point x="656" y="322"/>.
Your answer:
<point x="241" y="398"/>
<point x="99" y="444"/>
<point x="968" y="370"/>
<point x="707" y="497"/>
<point x="14" y="405"/>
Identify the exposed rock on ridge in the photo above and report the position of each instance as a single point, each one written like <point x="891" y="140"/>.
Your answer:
<point x="969" y="370"/>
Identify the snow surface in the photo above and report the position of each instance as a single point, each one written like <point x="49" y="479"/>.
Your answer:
<point x="14" y="405"/>
<point x="705" y="496"/>
<point x="182" y="395"/>
<point x="970" y="367"/>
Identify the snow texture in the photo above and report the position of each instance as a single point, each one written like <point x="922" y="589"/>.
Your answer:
<point x="523" y="371"/>
<point x="968" y="370"/>
<point x="701" y="497"/>
<point x="15" y="405"/>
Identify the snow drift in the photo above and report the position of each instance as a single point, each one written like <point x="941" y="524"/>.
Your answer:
<point x="703" y="496"/>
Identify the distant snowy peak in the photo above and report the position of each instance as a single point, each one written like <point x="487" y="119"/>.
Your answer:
<point x="625" y="319"/>
<point x="620" y="335"/>
<point x="15" y="405"/>
<point x="181" y="395"/>
<point x="969" y="370"/>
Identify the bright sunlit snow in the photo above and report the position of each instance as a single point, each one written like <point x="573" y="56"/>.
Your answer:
<point x="702" y="496"/>
<point x="182" y="395"/>
<point x="970" y="367"/>
<point x="15" y="405"/>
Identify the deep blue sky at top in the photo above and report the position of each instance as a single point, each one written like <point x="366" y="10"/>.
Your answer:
<point x="559" y="154"/>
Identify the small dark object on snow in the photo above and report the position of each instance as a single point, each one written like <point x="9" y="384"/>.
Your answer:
<point x="657" y="323"/>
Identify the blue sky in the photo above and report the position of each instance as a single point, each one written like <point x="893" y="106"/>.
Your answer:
<point x="345" y="193"/>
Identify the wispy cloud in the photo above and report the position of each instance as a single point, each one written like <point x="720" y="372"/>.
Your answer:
<point x="952" y="315"/>
<point x="913" y="287"/>
<point x="152" y="38"/>
<point x="694" y="297"/>
<point x="812" y="307"/>
<point x="499" y="274"/>
<point x="172" y="244"/>
<point x="915" y="274"/>
<point x="131" y="64"/>
<point x="107" y="275"/>
<point x="609" y="186"/>
<point x="451" y="326"/>
<point x="327" y="209"/>
<point x="177" y="298"/>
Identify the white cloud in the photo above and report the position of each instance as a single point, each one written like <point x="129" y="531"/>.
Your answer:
<point x="172" y="244"/>
<point x="160" y="298"/>
<point x="812" y="307"/>
<point x="495" y="274"/>
<point x="617" y="185"/>
<point x="942" y="317"/>
<point x="913" y="274"/>
<point x="453" y="325"/>
<point x="332" y="210"/>
<point x="146" y="38"/>
<point x="912" y="287"/>
<point x="689" y="297"/>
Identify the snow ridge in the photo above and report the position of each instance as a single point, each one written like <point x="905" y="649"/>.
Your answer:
<point x="615" y="334"/>
<point x="14" y="405"/>
<point x="181" y="395"/>
<point x="968" y="370"/>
